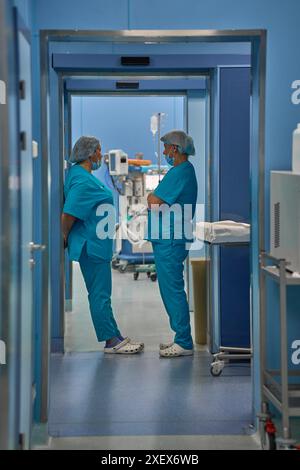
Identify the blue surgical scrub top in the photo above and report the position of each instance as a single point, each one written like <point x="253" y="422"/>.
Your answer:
<point x="84" y="194"/>
<point x="178" y="187"/>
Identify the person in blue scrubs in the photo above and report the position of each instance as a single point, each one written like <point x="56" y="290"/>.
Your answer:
<point x="87" y="203"/>
<point x="175" y="198"/>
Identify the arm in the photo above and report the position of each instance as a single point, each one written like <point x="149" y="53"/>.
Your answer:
<point x="152" y="199"/>
<point x="67" y="222"/>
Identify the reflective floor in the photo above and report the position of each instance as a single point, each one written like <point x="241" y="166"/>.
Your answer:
<point x="157" y="443"/>
<point x="137" y="307"/>
<point x="134" y="400"/>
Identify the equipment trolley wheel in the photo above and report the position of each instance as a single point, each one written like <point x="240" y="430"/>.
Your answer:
<point x="216" y="368"/>
<point x="115" y="264"/>
<point x="122" y="268"/>
<point x="153" y="277"/>
<point x="135" y="276"/>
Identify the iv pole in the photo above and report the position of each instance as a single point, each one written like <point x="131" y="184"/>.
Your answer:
<point x="156" y="120"/>
<point x="158" y="153"/>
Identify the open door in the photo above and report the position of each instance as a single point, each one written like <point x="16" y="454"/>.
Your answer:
<point x="27" y="246"/>
<point x="8" y="417"/>
<point x="16" y="314"/>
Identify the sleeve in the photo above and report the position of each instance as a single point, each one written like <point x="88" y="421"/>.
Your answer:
<point x="170" y="187"/>
<point x="81" y="199"/>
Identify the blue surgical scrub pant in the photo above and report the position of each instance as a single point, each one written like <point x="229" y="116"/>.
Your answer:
<point x="169" y="258"/>
<point x="97" y="277"/>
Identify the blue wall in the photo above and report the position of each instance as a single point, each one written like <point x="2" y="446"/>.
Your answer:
<point x="281" y="19"/>
<point x="123" y="122"/>
<point x="25" y="10"/>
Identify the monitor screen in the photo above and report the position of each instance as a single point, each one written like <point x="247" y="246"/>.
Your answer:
<point x="112" y="162"/>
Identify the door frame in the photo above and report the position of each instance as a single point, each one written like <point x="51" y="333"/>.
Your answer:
<point x="257" y="38"/>
<point x="62" y="67"/>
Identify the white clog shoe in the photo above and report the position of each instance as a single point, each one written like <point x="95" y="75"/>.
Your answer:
<point x="175" y="351"/>
<point x="125" y="347"/>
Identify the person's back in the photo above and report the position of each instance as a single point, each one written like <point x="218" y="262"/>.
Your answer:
<point x="84" y="193"/>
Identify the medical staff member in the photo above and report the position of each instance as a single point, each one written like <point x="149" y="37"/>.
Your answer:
<point x="85" y="197"/>
<point x="178" y="188"/>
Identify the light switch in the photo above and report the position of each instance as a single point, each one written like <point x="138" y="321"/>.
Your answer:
<point x="2" y="92"/>
<point x="35" y="149"/>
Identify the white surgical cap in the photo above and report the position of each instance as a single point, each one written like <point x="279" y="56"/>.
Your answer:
<point x="84" y="148"/>
<point x="181" y="139"/>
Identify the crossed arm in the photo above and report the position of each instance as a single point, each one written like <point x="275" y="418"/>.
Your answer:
<point x="156" y="201"/>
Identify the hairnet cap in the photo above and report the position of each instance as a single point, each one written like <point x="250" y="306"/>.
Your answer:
<point x="181" y="139"/>
<point x="84" y="148"/>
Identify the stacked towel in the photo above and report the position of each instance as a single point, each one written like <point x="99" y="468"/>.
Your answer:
<point x="226" y="231"/>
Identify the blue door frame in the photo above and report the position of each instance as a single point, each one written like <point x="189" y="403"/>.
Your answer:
<point x="258" y="62"/>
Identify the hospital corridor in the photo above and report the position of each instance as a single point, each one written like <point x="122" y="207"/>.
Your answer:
<point x="150" y="235"/>
<point x="139" y="395"/>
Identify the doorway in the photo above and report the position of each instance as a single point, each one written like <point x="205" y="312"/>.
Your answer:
<point x="258" y="67"/>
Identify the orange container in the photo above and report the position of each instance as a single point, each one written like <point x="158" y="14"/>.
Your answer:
<point x="139" y="162"/>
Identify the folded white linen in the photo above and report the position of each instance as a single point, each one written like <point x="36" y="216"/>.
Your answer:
<point x="223" y="231"/>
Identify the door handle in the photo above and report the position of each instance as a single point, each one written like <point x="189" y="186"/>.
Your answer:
<point x="35" y="247"/>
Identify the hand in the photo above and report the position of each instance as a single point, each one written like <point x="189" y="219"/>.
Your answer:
<point x="65" y="242"/>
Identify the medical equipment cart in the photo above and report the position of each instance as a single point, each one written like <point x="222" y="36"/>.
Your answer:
<point x="275" y="384"/>
<point x="229" y="353"/>
<point x="136" y="263"/>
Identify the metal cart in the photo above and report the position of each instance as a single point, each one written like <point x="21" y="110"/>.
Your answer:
<point x="229" y="353"/>
<point x="145" y="268"/>
<point x="128" y="261"/>
<point x="275" y="384"/>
